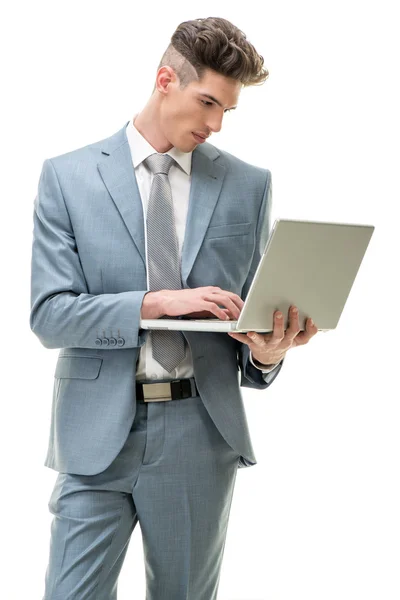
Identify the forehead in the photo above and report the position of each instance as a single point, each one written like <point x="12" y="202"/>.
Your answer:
<point x="224" y="90"/>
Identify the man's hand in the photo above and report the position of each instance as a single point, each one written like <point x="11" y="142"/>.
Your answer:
<point x="198" y="302"/>
<point x="270" y="348"/>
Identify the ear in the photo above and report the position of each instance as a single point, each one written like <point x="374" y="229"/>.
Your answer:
<point x="164" y="78"/>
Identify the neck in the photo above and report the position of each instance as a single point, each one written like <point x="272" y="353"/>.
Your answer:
<point x="147" y="123"/>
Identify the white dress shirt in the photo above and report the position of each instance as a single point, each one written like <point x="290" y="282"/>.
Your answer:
<point x="180" y="179"/>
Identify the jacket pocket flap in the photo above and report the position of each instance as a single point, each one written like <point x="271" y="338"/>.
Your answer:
<point x="78" y="367"/>
<point x="228" y="230"/>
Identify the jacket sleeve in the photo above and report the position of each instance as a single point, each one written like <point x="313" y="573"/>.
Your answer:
<point x="250" y="375"/>
<point x="63" y="314"/>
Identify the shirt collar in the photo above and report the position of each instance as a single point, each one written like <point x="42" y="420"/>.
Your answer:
<point x="141" y="149"/>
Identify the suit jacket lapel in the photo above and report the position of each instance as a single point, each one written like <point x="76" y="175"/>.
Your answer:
<point x="119" y="177"/>
<point x="206" y="184"/>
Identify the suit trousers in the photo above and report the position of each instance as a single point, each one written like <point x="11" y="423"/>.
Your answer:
<point x="175" y="475"/>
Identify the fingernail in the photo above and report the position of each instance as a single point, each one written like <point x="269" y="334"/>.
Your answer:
<point x="311" y="322"/>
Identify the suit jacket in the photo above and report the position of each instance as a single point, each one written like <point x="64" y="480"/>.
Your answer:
<point x="88" y="279"/>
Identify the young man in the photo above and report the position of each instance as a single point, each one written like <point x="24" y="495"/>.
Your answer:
<point x="150" y="427"/>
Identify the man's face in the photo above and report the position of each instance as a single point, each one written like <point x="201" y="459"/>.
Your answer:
<point x="199" y="108"/>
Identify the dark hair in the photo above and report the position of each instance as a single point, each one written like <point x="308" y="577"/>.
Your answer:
<point x="215" y="44"/>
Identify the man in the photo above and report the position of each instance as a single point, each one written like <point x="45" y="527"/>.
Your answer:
<point x="153" y="221"/>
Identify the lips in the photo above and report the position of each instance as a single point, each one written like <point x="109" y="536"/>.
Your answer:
<point x="202" y="135"/>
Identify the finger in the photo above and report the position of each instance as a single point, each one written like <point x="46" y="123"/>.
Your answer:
<point x="305" y="336"/>
<point x="294" y="326"/>
<point x="257" y="338"/>
<point x="217" y="311"/>
<point x="241" y="337"/>
<point x="222" y="313"/>
<point x="228" y="312"/>
<point x="278" y="332"/>
<point x="225" y="301"/>
<point x="234" y="297"/>
<point x="311" y="327"/>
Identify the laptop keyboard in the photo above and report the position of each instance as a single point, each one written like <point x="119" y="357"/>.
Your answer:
<point x="208" y="320"/>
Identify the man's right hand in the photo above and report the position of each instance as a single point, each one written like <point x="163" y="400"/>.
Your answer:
<point x="198" y="302"/>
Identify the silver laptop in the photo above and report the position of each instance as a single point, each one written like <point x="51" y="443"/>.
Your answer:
<point x="308" y="264"/>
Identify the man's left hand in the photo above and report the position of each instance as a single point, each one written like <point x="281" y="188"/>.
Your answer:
<point x="270" y="348"/>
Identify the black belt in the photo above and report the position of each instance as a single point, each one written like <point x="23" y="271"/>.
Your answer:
<point x="162" y="391"/>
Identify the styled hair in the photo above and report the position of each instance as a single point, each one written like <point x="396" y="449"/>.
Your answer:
<point x="215" y="44"/>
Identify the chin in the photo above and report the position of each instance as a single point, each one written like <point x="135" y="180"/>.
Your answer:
<point x="186" y="147"/>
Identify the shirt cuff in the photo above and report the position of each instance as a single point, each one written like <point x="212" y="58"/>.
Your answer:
<point x="264" y="368"/>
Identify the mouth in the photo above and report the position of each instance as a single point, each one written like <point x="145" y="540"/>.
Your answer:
<point x="199" y="138"/>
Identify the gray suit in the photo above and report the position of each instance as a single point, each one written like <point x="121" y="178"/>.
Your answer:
<point x="88" y="283"/>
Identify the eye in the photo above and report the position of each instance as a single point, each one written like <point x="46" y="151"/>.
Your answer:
<point x="206" y="103"/>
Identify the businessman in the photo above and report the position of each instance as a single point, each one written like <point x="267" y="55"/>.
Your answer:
<point x="150" y="427"/>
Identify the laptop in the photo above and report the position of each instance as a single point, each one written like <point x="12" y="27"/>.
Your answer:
<point x="308" y="264"/>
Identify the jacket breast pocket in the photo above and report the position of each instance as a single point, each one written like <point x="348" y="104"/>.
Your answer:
<point x="78" y="367"/>
<point x="227" y="231"/>
<point x="225" y="256"/>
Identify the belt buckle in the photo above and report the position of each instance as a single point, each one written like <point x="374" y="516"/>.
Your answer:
<point x="157" y="392"/>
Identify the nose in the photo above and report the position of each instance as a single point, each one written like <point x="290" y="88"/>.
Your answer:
<point x="215" y="123"/>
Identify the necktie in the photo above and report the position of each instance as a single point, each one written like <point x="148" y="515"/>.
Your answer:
<point x="168" y="347"/>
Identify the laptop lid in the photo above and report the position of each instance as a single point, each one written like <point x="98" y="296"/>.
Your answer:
<point x="309" y="264"/>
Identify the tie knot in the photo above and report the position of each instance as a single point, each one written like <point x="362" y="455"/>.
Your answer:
<point x="159" y="163"/>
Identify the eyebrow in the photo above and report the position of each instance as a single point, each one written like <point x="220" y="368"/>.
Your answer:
<point x="217" y="101"/>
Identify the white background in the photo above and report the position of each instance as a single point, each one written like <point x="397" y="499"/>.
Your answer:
<point x="318" y="516"/>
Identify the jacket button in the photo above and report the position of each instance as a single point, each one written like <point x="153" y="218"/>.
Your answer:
<point x="120" y="341"/>
<point x="104" y="342"/>
<point x="112" y="341"/>
<point x="98" y="342"/>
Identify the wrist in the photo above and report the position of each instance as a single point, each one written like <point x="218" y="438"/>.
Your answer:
<point x="152" y="305"/>
<point x="263" y="365"/>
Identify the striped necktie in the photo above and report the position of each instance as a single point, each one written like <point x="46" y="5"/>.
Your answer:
<point x="163" y="256"/>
